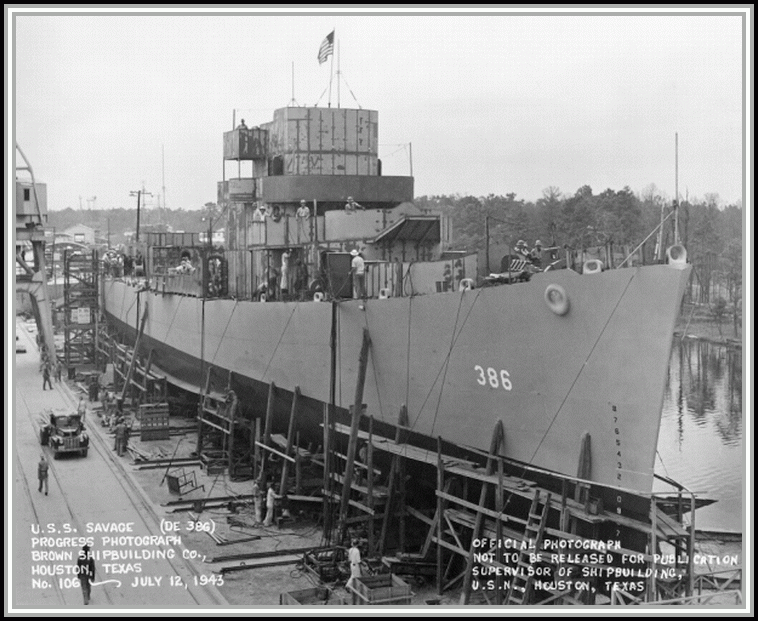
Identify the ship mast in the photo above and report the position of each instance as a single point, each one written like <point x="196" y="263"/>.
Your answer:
<point x="676" y="187"/>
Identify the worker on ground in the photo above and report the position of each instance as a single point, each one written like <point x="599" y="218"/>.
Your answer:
<point x="258" y="501"/>
<point x="120" y="437"/>
<point x="354" y="557"/>
<point x="46" y="376"/>
<point x="42" y="472"/>
<point x="270" y="502"/>
<point x="85" y="568"/>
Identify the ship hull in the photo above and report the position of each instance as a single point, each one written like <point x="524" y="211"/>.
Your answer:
<point x="459" y="361"/>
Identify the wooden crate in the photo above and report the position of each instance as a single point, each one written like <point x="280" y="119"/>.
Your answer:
<point x="318" y="596"/>
<point x="381" y="590"/>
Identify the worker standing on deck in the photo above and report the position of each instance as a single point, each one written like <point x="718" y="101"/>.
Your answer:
<point x="522" y="250"/>
<point x="270" y="502"/>
<point x="358" y="267"/>
<point x="536" y="254"/>
<point x="42" y="472"/>
<point x="303" y="212"/>
<point x="351" y="205"/>
<point x="285" y="275"/>
<point x="354" y="557"/>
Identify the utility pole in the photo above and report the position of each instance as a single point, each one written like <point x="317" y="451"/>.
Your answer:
<point x="138" y="194"/>
<point x="487" y="243"/>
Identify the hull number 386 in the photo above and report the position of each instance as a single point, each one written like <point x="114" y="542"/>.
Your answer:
<point x="493" y="377"/>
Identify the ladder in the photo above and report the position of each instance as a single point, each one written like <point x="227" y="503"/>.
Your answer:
<point x="521" y="583"/>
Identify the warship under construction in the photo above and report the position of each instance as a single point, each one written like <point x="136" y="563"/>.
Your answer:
<point x="557" y="356"/>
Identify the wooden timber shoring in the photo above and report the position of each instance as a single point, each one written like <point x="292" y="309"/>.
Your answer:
<point x="144" y="386"/>
<point x="460" y="516"/>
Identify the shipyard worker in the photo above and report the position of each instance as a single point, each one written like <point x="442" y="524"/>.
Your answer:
<point x="58" y="371"/>
<point x="242" y="124"/>
<point x="536" y="254"/>
<point x="85" y="568"/>
<point x="260" y="214"/>
<point x="270" y="502"/>
<point x="354" y="557"/>
<point x="351" y="205"/>
<point x="301" y="276"/>
<point x="358" y="268"/>
<point x="42" y="470"/>
<point x="258" y="501"/>
<point x="522" y="251"/>
<point x="46" y="376"/>
<point x="284" y="281"/>
<point x="120" y="437"/>
<point x="303" y="211"/>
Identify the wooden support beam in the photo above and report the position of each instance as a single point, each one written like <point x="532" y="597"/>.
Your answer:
<point x="402" y="422"/>
<point x="440" y="485"/>
<point x="268" y="426"/>
<point x="134" y="355"/>
<point x="288" y="449"/>
<point x="370" y="484"/>
<point x="498" y="439"/>
<point x="357" y="411"/>
<point x="500" y="506"/>
<point x="200" y="414"/>
<point x="271" y="449"/>
<point x="232" y="407"/>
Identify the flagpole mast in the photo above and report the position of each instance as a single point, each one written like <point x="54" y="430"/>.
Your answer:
<point x="338" y="73"/>
<point x="331" y="75"/>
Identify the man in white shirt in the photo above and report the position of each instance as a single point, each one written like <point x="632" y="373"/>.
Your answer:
<point x="358" y="268"/>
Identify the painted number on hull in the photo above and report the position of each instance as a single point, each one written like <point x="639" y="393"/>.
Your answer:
<point x="493" y="378"/>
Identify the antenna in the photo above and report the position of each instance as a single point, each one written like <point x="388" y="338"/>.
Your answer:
<point x="163" y="189"/>
<point x="676" y="188"/>
<point x="338" y="73"/>
<point x="292" y="101"/>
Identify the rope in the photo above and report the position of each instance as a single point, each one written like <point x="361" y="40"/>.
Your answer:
<point x="446" y="365"/>
<point x="351" y="91"/>
<point x="223" y="334"/>
<point x="408" y="352"/>
<point x="578" y="375"/>
<point x="373" y="366"/>
<point x="465" y="319"/>
<point x="281" y="336"/>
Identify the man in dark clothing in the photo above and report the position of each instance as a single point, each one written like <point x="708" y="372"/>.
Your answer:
<point x="46" y="377"/>
<point x="85" y="567"/>
<point x="42" y="468"/>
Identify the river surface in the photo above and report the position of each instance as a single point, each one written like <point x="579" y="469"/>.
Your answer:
<point x="701" y="438"/>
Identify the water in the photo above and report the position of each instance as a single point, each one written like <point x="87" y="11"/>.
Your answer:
<point x="701" y="438"/>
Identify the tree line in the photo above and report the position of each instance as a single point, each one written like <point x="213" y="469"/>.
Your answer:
<point x="712" y="234"/>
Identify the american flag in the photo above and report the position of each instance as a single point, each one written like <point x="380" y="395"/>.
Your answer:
<point x="327" y="48"/>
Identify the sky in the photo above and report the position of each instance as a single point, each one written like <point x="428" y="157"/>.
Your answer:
<point x="109" y="104"/>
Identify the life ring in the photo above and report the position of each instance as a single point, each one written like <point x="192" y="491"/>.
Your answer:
<point x="276" y="213"/>
<point x="593" y="266"/>
<point x="677" y="256"/>
<point x="318" y="296"/>
<point x="556" y="299"/>
<point x="467" y="284"/>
